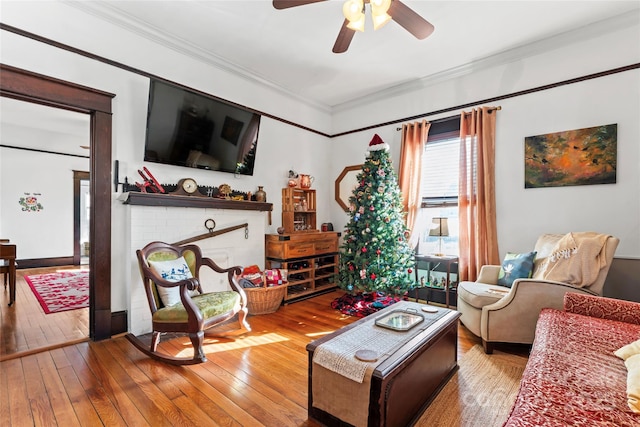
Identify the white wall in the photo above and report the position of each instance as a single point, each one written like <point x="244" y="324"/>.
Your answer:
<point x="46" y="233"/>
<point x="523" y="214"/>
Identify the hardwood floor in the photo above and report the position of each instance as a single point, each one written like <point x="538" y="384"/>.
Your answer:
<point x="256" y="379"/>
<point x="27" y="328"/>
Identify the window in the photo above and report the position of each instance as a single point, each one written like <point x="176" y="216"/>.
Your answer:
<point x="439" y="186"/>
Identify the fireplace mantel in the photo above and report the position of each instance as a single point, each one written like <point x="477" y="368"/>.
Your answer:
<point x="156" y="199"/>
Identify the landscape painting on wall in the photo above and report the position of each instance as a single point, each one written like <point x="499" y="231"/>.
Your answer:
<point x="574" y="157"/>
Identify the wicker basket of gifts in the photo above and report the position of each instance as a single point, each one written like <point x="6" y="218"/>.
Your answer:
<point x="265" y="290"/>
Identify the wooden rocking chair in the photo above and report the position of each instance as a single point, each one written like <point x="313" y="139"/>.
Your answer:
<point x="170" y="275"/>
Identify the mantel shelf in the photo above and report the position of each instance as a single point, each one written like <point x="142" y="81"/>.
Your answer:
<point x="156" y="199"/>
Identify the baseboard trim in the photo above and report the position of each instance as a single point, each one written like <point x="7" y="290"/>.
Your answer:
<point x="43" y="262"/>
<point x="119" y="322"/>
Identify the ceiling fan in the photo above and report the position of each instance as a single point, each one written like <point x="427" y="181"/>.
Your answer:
<point x="381" y="10"/>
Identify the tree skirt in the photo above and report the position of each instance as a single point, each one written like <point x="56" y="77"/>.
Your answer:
<point x="61" y="291"/>
<point x="362" y="305"/>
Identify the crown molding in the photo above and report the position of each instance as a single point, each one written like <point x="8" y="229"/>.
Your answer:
<point x="109" y="13"/>
<point x="557" y="41"/>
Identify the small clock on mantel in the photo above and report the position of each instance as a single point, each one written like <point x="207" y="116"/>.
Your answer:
<point x="187" y="187"/>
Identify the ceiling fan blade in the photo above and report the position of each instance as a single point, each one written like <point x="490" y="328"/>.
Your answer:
<point x="410" y="20"/>
<point x="344" y="38"/>
<point x="285" y="4"/>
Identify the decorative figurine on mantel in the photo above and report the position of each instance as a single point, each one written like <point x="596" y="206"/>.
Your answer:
<point x="150" y="182"/>
<point x="225" y="190"/>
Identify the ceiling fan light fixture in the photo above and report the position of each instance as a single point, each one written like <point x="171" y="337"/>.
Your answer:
<point x="353" y="10"/>
<point x="379" y="7"/>
<point x="379" y="15"/>
<point x="358" y="24"/>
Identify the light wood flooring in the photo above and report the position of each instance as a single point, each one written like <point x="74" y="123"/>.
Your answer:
<point x="256" y="379"/>
<point x="27" y="328"/>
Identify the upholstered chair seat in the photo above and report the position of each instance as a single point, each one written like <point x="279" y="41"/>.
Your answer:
<point x="210" y="305"/>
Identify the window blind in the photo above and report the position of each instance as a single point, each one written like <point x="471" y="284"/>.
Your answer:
<point x="440" y="165"/>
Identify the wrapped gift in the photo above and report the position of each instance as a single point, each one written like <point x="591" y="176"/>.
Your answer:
<point x="275" y="276"/>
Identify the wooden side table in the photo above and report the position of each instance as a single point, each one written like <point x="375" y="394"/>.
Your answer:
<point x="446" y="260"/>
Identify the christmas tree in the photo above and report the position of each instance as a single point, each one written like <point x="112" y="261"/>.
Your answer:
<point x="248" y="161"/>
<point x="376" y="255"/>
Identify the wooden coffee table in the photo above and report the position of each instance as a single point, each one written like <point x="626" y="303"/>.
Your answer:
<point x="406" y="381"/>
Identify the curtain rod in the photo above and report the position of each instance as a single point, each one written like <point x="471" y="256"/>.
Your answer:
<point x="445" y="119"/>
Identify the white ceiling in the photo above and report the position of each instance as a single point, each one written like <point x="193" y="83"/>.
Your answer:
<point x="38" y="127"/>
<point x="290" y="49"/>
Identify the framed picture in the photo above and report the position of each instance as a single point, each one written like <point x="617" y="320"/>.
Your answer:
<point x="575" y="157"/>
<point x="231" y="130"/>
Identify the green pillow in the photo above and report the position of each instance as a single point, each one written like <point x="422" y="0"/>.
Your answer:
<point x="516" y="266"/>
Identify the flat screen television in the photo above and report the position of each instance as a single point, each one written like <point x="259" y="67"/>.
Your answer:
<point x="186" y="128"/>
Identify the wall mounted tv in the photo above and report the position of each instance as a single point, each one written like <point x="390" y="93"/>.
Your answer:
<point x="186" y="128"/>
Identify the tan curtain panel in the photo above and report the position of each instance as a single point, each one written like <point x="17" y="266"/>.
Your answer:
<point x="477" y="196"/>
<point x="414" y="137"/>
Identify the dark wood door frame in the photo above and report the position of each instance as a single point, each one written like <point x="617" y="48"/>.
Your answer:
<point x="78" y="177"/>
<point x="32" y="87"/>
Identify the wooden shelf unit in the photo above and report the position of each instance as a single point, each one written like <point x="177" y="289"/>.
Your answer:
<point x="299" y="210"/>
<point x="311" y="261"/>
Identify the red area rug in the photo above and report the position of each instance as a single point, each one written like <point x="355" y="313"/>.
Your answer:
<point x="61" y="291"/>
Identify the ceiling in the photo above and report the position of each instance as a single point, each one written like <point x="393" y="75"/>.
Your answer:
<point x="290" y="50"/>
<point x="38" y="127"/>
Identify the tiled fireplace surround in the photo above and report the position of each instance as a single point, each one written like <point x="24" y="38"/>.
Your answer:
<point x="173" y="224"/>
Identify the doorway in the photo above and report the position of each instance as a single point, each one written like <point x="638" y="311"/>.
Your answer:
<point x="32" y="87"/>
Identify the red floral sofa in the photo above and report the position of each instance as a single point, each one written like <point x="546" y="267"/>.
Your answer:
<point x="572" y="377"/>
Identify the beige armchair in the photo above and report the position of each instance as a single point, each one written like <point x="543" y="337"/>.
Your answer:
<point x="501" y="314"/>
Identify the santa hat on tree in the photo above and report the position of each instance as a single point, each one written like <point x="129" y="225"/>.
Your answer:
<point x="377" y="144"/>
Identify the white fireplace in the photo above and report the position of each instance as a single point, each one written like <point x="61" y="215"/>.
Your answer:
<point x="173" y="224"/>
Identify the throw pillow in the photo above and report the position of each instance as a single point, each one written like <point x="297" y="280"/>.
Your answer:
<point x="628" y="350"/>
<point x="515" y="266"/>
<point x="633" y="382"/>
<point x="173" y="271"/>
